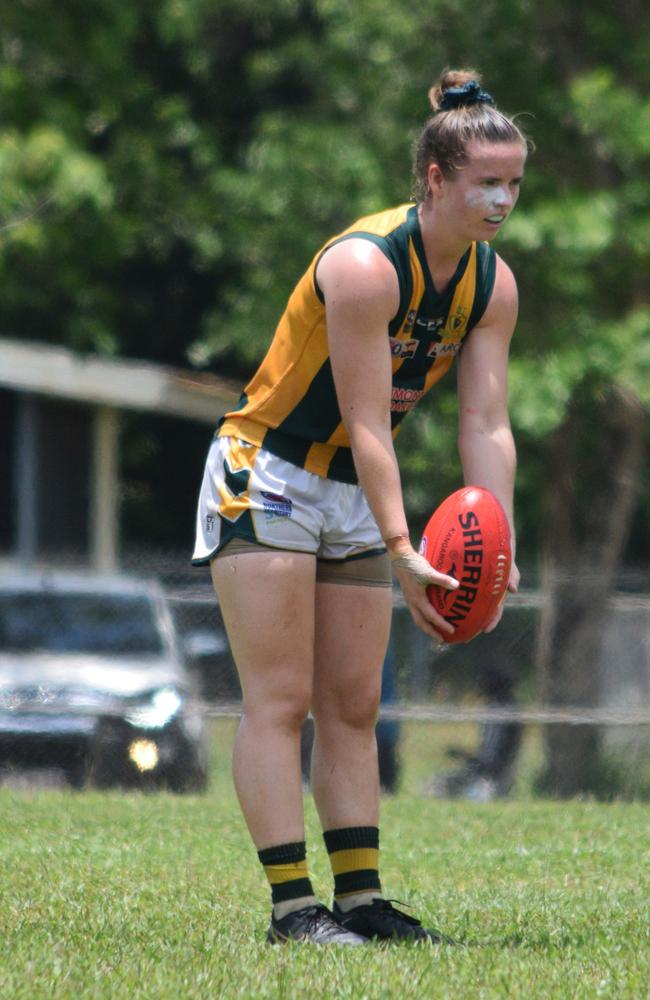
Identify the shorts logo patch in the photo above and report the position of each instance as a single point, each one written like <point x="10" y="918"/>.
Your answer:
<point x="276" y="506"/>
<point x="209" y="523"/>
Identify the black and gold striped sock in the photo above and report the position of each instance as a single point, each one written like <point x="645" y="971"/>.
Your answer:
<point x="286" y="870"/>
<point x="354" y="857"/>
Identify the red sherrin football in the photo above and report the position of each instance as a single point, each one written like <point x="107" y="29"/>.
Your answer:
<point x="468" y="537"/>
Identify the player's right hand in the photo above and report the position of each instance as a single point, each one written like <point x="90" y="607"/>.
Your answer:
<point x="415" y="574"/>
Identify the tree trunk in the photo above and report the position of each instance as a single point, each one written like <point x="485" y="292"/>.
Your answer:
<point x="594" y="464"/>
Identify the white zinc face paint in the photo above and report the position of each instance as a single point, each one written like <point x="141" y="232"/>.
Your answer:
<point x="476" y="200"/>
<point x="491" y="200"/>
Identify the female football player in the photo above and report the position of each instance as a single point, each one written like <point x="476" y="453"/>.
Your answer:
<point x="301" y="513"/>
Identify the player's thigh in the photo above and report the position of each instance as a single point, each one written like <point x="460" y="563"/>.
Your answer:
<point x="267" y="601"/>
<point x="352" y="630"/>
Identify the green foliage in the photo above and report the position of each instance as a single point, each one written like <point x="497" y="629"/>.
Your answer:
<point x="613" y="114"/>
<point x="169" y="168"/>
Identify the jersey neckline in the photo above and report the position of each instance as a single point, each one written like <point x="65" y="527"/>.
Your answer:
<point x="415" y="233"/>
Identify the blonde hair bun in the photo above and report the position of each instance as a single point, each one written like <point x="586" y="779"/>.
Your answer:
<point x="450" y="78"/>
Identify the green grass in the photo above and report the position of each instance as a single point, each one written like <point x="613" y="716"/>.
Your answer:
<point x="128" y="896"/>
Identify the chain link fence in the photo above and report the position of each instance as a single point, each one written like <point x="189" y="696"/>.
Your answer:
<point x="468" y="721"/>
<point x="472" y="720"/>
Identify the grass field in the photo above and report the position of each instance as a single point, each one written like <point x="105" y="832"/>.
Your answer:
<point x="128" y="896"/>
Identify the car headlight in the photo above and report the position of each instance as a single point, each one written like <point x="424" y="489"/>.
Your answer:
<point x="144" y="754"/>
<point x="157" y="712"/>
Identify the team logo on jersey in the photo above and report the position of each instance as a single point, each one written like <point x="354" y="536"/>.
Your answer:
<point x="403" y="348"/>
<point x="429" y="326"/>
<point x="276" y="506"/>
<point x="458" y="321"/>
<point x="403" y="400"/>
<point x="409" y="322"/>
<point x="442" y="348"/>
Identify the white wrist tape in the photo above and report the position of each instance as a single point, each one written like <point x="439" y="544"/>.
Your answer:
<point x="417" y="566"/>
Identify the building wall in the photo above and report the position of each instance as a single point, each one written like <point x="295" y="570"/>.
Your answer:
<point x="7" y="438"/>
<point x="45" y="451"/>
<point x="63" y="455"/>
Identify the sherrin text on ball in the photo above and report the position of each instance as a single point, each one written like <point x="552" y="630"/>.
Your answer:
<point x="468" y="537"/>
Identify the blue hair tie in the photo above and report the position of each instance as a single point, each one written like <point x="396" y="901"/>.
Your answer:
<point x="461" y="97"/>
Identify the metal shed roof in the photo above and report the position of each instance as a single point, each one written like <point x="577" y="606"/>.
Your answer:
<point x="121" y="383"/>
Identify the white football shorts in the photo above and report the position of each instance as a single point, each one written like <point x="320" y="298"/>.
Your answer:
<point x="250" y="494"/>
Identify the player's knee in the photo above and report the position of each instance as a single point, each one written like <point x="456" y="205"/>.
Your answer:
<point x="293" y="713"/>
<point x="362" y="716"/>
<point x="358" y="712"/>
<point x="285" y="709"/>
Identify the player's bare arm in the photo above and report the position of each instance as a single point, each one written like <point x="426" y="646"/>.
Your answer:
<point x="485" y="443"/>
<point x="361" y="296"/>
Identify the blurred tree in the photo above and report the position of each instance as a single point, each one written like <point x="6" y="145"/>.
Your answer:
<point x="594" y="369"/>
<point x="594" y="459"/>
<point x="169" y="167"/>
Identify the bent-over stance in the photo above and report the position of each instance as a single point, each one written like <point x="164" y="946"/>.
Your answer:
<point x="301" y="512"/>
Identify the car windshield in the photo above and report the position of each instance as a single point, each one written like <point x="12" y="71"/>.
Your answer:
<point x="79" y="623"/>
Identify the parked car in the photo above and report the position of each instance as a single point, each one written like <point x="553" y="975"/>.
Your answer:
<point x="92" y="682"/>
<point x="199" y="625"/>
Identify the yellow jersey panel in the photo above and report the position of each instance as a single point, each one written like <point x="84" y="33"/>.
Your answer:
<point x="290" y="407"/>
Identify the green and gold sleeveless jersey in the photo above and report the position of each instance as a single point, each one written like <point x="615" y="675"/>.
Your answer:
<point x="290" y="407"/>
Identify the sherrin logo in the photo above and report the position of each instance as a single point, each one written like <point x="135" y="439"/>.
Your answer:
<point x="470" y="576"/>
<point x="469" y="539"/>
